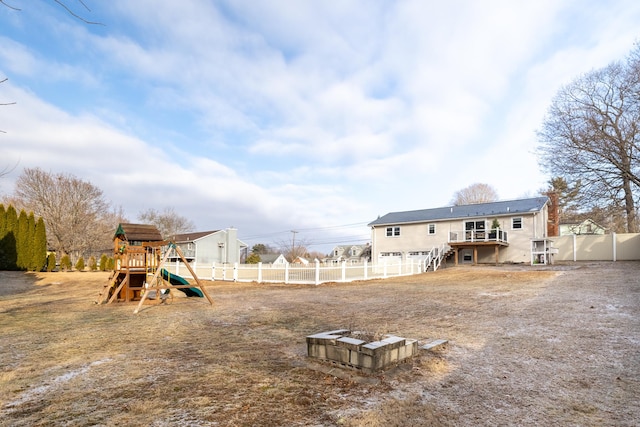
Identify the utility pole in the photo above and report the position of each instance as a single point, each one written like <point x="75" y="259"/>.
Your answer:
<point x="293" y="245"/>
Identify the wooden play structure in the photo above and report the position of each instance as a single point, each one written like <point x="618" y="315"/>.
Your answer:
<point x="140" y="254"/>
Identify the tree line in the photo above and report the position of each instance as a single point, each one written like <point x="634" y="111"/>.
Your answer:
<point x="23" y="240"/>
<point x="80" y="222"/>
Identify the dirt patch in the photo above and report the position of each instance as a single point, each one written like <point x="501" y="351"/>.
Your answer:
<point x="527" y="346"/>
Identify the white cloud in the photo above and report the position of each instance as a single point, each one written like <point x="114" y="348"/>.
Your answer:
<point x="275" y="115"/>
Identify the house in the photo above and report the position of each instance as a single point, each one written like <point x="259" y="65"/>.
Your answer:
<point x="274" y="259"/>
<point x="588" y="226"/>
<point x="504" y="231"/>
<point x="300" y="260"/>
<point x="209" y="247"/>
<point x="349" y="253"/>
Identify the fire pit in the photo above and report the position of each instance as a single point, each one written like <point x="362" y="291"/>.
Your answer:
<point x="347" y="348"/>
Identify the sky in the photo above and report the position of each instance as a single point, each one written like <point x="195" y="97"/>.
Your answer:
<point x="284" y="116"/>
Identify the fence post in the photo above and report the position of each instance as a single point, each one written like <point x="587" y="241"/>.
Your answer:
<point x="235" y="271"/>
<point x="286" y="273"/>
<point x="177" y="266"/>
<point x="344" y="271"/>
<point x="317" y="272"/>
<point x="575" y="249"/>
<point x="366" y="270"/>
<point x="613" y="239"/>
<point x="260" y="272"/>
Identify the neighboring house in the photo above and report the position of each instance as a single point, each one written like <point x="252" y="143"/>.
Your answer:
<point x="300" y="260"/>
<point x="588" y="226"/>
<point x="349" y="253"/>
<point x="274" y="259"/>
<point x="209" y="247"/>
<point x="467" y="230"/>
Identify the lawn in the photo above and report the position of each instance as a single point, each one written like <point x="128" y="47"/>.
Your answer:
<point x="527" y="346"/>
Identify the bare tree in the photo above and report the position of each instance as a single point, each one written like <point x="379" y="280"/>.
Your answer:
<point x="475" y="193"/>
<point x="3" y="104"/>
<point x="168" y="221"/>
<point x="591" y="136"/>
<point x="294" y="248"/>
<point x="74" y="211"/>
<point x="64" y="5"/>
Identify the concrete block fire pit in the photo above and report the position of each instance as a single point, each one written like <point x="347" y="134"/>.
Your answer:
<point x="346" y="348"/>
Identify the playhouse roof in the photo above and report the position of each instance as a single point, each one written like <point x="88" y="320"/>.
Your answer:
<point x="138" y="232"/>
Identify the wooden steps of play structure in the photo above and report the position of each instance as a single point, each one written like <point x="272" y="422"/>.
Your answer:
<point x="104" y="293"/>
<point x="434" y="344"/>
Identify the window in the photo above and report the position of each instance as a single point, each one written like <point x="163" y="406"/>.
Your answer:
<point x="516" y="223"/>
<point x="432" y="229"/>
<point x="474" y="225"/>
<point x="393" y="231"/>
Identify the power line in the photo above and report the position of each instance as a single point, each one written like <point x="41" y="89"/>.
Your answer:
<point x="276" y="233"/>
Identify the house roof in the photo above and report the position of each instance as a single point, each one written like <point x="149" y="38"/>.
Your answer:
<point x="269" y="258"/>
<point x="138" y="232"/>
<point x="189" y="237"/>
<point x="507" y="207"/>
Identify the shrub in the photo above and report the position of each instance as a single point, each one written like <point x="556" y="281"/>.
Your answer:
<point x="93" y="265"/>
<point x="254" y="258"/>
<point x="51" y="261"/>
<point x="80" y="264"/>
<point x="103" y="262"/>
<point x="65" y="263"/>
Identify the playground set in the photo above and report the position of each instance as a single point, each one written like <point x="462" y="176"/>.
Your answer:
<point x="140" y="254"/>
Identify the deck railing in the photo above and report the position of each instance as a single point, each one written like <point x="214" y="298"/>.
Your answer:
<point x="463" y="236"/>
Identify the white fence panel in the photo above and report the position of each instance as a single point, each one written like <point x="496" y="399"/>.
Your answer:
<point x="314" y="273"/>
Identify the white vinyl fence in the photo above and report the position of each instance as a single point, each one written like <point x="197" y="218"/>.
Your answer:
<point x="314" y="273"/>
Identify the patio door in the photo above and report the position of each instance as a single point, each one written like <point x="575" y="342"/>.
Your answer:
<point x="474" y="230"/>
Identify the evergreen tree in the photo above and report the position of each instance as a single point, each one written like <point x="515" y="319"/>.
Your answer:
<point x="103" y="262"/>
<point x="22" y="241"/>
<point x="51" y="261"/>
<point x="3" y="233"/>
<point x="80" y="264"/>
<point x="65" y="263"/>
<point x="8" y="253"/>
<point x="29" y="255"/>
<point x="93" y="265"/>
<point x="3" y="220"/>
<point x="39" y="249"/>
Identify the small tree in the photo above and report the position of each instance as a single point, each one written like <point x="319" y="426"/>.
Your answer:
<point x="103" y="262"/>
<point x="110" y="263"/>
<point x="93" y="265"/>
<point x="80" y="264"/>
<point x="65" y="263"/>
<point x="39" y="252"/>
<point x="51" y="262"/>
<point x="254" y="258"/>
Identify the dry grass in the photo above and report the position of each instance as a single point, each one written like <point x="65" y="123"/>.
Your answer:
<point x="550" y="346"/>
